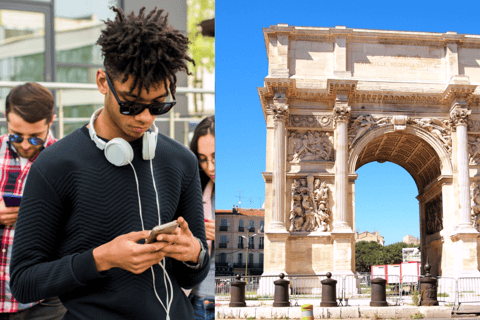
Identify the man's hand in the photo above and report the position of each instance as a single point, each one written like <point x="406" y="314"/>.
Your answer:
<point x="124" y="252"/>
<point x="182" y="245"/>
<point x="210" y="229"/>
<point x="8" y="215"/>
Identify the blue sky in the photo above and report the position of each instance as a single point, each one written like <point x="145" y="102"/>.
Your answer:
<point x="385" y="193"/>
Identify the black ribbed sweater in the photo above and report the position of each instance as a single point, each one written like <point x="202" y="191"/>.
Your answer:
<point x="75" y="200"/>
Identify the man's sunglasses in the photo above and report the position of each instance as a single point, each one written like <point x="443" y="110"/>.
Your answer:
<point x="131" y="108"/>
<point x="19" y="139"/>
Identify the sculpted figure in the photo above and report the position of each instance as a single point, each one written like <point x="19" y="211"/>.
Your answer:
<point x="322" y="216"/>
<point x="309" y="213"/>
<point x="296" y="215"/>
<point x="474" y="149"/>
<point x="363" y="124"/>
<point x="475" y="196"/>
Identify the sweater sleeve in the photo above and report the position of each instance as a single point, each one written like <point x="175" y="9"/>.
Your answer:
<point x="191" y="208"/>
<point x="36" y="273"/>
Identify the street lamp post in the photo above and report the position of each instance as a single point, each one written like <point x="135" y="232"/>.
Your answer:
<point x="248" y="247"/>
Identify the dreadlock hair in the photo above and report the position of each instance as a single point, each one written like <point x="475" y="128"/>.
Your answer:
<point x="146" y="47"/>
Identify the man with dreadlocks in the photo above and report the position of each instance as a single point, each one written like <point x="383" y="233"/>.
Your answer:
<point x="88" y="197"/>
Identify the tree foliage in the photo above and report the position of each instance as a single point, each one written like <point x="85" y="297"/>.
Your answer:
<point x="369" y="253"/>
<point x="202" y="49"/>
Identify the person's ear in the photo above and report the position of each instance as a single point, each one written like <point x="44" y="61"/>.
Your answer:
<point x="101" y="79"/>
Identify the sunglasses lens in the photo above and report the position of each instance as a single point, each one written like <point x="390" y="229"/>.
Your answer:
<point x="161" y="108"/>
<point x="35" y="141"/>
<point x="15" y="138"/>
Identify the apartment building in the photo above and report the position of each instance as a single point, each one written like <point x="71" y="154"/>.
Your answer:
<point x="239" y="241"/>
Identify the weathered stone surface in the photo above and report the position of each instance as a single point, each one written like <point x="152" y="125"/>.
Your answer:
<point x="411" y="98"/>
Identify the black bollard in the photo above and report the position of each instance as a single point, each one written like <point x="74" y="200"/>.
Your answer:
<point x="237" y="293"/>
<point x="329" y="292"/>
<point x="379" y="293"/>
<point x="428" y="288"/>
<point x="281" y="298"/>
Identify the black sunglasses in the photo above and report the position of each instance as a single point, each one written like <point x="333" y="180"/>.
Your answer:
<point x="34" y="141"/>
<point x="131" y="108"/>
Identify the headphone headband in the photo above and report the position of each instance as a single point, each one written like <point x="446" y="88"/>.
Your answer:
<point x="118" y="151"/>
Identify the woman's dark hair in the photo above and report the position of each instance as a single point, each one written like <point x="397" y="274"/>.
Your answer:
<point x="31" y="101"/>
<point x="146" y="47"/>
<point x="205" y="127"/>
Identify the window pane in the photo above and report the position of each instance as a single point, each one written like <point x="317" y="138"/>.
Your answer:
<point x="22" y="46"/>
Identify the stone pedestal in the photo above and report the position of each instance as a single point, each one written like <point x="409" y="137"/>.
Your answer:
<point x="344" y="248"/>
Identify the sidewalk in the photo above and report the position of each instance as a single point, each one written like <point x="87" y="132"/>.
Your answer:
<point x="399" y="312"/>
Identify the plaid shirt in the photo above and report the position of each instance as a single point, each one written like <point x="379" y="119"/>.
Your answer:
<point x="12" y="180"/>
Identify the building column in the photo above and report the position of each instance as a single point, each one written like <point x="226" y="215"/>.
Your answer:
<point x="341" y="114"/>
<point x="280" y="116"/>
<point x="458" y="118"/>
<point x="464" y="237"/>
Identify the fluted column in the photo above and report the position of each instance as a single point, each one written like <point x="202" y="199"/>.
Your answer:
<point x="458" y="119"/>
<point x="280" y="114"/>
<point x="341" y="114"/>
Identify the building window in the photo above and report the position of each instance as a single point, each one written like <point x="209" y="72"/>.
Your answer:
<point x="223" y="242"/>
<point x="260" y="260"/>
<point x="252" y="226"/>
<point x="251" y="243"/>
<point x="260" y="246"/>
<point x="240" y="226"/>
<point x="223" y="225"/>
<point x="240" y="242"/>
<point x="240" y="258"/>
<point x="222" y="258"/>
<point x="250" y="260"/>
<point x="262" y="225"/>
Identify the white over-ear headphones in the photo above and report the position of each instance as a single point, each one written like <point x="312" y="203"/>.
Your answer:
<point x="118" y="151"/>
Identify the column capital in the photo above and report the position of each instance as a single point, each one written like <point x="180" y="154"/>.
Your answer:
<point x="459" y="116"/>
<point x="341" y="112"/>
<point x="279" y="108"/>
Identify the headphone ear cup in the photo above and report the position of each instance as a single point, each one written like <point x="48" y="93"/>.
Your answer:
<point x="149" y="145"/>
<point x="118" y="152"/>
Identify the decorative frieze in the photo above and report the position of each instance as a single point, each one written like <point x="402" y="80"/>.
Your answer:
<point x="310" y="209"/>
<point x="362" y="124"/>
<point x="438" y="128"/>
<point x="434" y="215"/>
<point x="311" y="121"/>
<point x="309" y="146"/>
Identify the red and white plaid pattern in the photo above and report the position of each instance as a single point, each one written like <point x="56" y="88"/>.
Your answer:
<point x="12" y="180"/>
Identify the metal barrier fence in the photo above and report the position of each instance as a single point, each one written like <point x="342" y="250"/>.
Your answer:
<point x="355" y="290"/>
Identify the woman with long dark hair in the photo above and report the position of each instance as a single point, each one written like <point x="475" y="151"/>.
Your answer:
<point x="203" y="145"/>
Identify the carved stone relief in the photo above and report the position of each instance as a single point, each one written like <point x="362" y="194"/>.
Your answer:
<point x="475" y="198"/>
<point x="438" y="128"/>
<point x="310" y="210"/>
<point x="311" y="121"/>
<point x="434" y="215"/>
<point x="473" y="125"/>
<point x="474" y="148"/>
<point x="309" y="146"/>
<point x="362" y="124"/>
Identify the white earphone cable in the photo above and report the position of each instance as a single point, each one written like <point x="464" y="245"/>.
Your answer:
<point x="169" y="298"/>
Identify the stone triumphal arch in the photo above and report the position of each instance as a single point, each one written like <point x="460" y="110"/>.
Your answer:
<point x="338" y="98"/>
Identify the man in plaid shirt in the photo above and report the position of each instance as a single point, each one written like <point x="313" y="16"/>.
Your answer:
<point x="29" y="114"/>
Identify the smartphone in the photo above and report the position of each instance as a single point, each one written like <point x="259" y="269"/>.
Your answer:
<point x="166" y="228"/>
<point x="12" y="200"/>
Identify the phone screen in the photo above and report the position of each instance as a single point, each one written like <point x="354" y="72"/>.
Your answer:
<point x="12" y="200"/>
